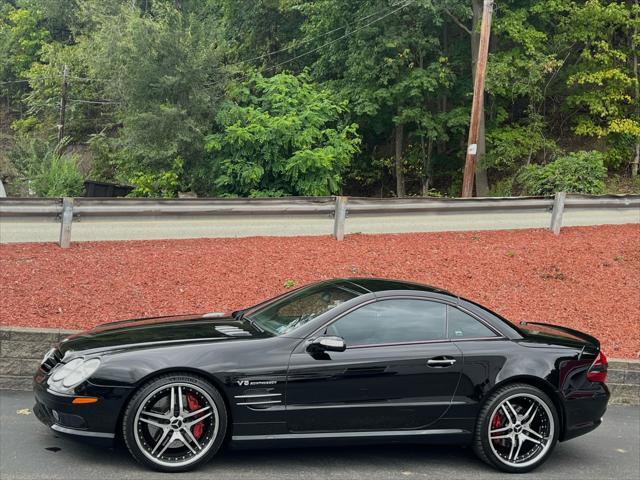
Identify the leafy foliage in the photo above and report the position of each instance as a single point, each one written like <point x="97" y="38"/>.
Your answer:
<point x="579" y="172"/>
<point x="263" y="98"/>
<point x="46" y="171"/>
<point x="21" y="38"/>
<point x="512" y="145"/>
<point x="58" y="176"/>
<point x="281" y="136"/>
<point x="162" y="184"/>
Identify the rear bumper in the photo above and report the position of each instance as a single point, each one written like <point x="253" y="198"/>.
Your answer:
<point x="92" y="423"/>
<point x="584" y="412"/>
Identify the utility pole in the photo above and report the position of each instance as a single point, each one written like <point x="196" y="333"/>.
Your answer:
<point x="63" y="103"/>
<point x="478" y="100"/>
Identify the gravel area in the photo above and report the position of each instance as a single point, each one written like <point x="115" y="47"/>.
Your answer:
<point x="586" y="278"/>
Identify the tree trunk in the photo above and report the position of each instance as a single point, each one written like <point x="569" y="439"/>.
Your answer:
<point x="482" y="184"/>
<point x="426" y="165"/>
<point x="399" y="161"/>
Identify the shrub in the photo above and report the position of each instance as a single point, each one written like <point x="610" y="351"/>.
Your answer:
<point x="42" y="168"/>
<point x="509" y="147"/>
<point x="577" y="172"/>
<point x="162" y="184"/>
<point x="282" y="135"/>
<point x="502" y="188"/>
<point x="58" y="176"/>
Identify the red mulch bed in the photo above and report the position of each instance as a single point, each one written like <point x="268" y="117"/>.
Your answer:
<point x="587" y="278"/>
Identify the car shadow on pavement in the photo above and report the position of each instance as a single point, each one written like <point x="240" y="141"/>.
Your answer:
<point x="357" y="462"/>
<point x="372" y="461"/>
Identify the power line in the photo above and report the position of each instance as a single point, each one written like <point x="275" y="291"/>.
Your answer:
<point x="308" y="40"/>
<point x="339" y="38"/>
<point x="97" y="102"/>
<point x="296" y="57"/>
<point x="403" y="4"/>
<point x="54" y="77"/>
<point x="308" y="52"/>
<point x="14" y="81"/>
<point x="91" y="78"/>
<point x="31" y="79"/>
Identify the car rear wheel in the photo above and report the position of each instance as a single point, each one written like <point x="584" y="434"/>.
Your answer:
<point x="175" y="423"/>
<point x="517" y="428"/>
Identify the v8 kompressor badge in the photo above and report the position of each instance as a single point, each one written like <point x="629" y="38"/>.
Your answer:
<point x="248" y="383"/>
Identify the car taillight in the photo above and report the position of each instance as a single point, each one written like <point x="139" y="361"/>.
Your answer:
<point x="598" y="370"/>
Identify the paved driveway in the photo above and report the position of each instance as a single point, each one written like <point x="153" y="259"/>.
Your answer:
<point x="28" y="450"/>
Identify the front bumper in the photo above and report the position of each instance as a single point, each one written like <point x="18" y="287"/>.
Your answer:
<point x="94" y="423"/>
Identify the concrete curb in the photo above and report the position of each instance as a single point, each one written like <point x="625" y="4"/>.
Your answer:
<point x="21" y="350"/>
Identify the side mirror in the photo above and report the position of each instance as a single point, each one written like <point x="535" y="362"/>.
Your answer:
<point x="327" y="344"/>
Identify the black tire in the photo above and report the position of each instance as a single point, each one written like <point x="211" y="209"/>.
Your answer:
<point x="488" y="450"/>
<point x="133" y="427"/>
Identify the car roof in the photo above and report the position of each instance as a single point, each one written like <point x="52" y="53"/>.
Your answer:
<point x="377" y="285"/>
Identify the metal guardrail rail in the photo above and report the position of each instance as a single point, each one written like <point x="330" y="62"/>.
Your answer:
<point x="30" y="207"/>
<point x="487" y="204"/>
<point x="66" y="210"/>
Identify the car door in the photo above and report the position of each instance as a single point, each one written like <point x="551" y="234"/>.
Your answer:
<point x="399" y="370"/>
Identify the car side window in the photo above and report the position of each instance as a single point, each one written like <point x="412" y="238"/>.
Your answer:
<point x="463" y="325"/>
<point x="392" y="321"/>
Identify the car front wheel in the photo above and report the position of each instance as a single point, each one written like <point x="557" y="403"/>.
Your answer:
<point x="175" y="423"/>
<point x="517" y="428"/>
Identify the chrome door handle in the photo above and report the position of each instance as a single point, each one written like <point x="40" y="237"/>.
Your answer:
<point x="444" y="362"/>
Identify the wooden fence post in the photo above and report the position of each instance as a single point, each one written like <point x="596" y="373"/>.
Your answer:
<point x="65" y="222"/>
<point x="558" y="210"/>
<point x="339" y="217"/>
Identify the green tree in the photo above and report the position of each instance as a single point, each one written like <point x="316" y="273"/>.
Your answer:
<point x="21" y="38"/>
<point x="149" y="80"/>
<point x="280" y="136"/>
<point x="399" y="72"/>
<point x="560" y="74"/>
<point x="159" y="66"/>
<point x="601" y="83"/>
<point x="144" y="85"/>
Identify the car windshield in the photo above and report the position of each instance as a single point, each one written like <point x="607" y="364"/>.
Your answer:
<point x="292" y="311"/>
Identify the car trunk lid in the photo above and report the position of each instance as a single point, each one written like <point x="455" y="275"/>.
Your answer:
<point x="558" y="335"/>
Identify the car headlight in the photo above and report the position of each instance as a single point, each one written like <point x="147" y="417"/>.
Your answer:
<point x="73" y="373"/>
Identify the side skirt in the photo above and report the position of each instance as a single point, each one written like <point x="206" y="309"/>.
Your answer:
<point x="289" y="440"/>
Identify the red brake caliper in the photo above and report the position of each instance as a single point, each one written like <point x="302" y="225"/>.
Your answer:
<point x="193" y="404"/>
<point x="496" y="423"/>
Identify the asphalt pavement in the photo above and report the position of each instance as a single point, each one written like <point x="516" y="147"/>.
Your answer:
<point x="153" y="228"/>
<point x="28" y="450"/>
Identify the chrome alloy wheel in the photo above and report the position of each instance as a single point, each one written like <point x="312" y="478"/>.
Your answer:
<point x="521" y="430"/>
<point x="176" y="424"/>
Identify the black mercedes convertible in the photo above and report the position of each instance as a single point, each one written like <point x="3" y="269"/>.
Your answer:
<point x="341" y="362"/>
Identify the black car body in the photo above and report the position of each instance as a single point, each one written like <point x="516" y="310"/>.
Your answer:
<point x="287" y="389"/>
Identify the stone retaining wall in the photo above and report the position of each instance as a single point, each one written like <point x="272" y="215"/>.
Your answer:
<point x="624" y="381"/>
<point x="21" y="350"/>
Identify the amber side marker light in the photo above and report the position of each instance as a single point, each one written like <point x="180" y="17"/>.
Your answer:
<point x="84" y="400"/>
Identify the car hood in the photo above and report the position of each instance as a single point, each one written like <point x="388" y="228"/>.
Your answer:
<point x="143" y="332"/>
